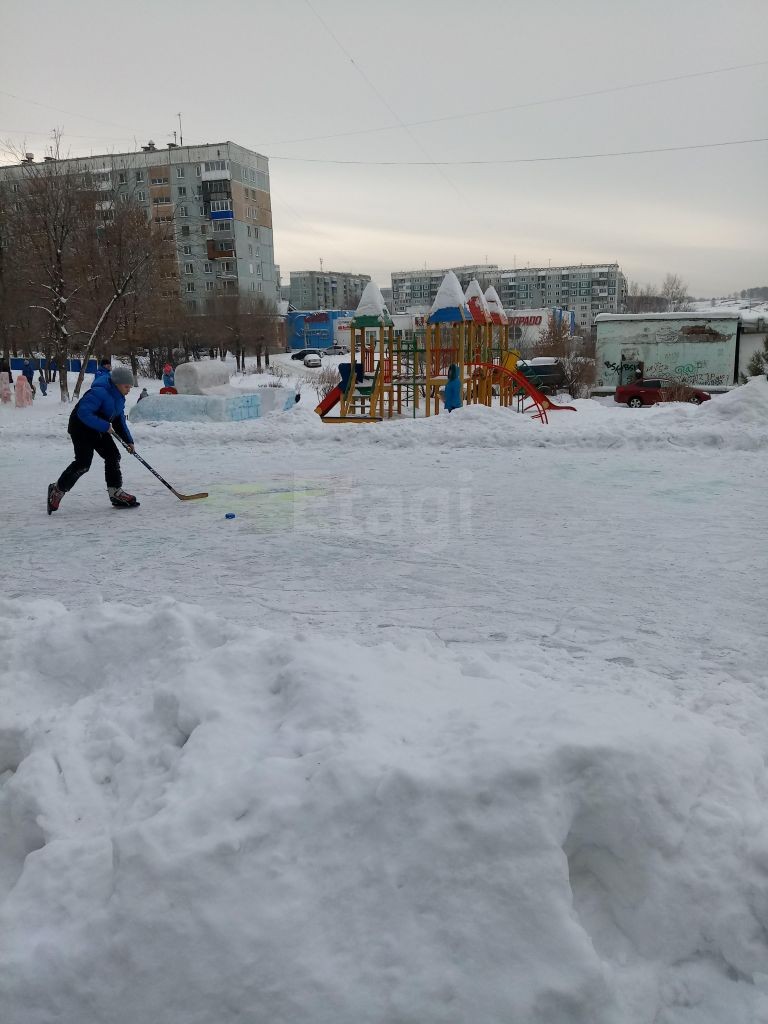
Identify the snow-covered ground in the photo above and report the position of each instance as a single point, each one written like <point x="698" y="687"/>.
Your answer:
<point x="459" y="720"/>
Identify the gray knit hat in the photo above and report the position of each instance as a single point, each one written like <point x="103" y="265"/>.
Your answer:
<point x="122" y="375"/>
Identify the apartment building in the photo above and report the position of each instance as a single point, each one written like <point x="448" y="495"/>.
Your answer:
<point x="326" y="289"/>
<point x="217" y="198"/>
<point x="418" y="288"/>
<point x="586" y="289"/>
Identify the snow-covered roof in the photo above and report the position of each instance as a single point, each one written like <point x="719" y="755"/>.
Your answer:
<point x="478" y="304"/>
<point x="498" y="316"/>
<point x="449" y="305"/>
<point x="372" y="310"/>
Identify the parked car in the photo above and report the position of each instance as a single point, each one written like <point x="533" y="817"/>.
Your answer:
<point x="313" y="360"/>
<point x="546" y="374"/>
<point x="302" y="353"/>
<point x="337" y="349"/>
<point x="657" y="389"/>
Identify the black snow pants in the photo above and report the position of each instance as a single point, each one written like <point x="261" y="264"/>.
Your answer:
<point x="87" y="441"/>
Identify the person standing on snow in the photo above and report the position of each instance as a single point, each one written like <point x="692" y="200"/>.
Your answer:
<point x="103" y="369"/>
<point x="453" y="389"/>
<point x="28" y="371"/>
<point x="168" y="376"/>
<point x="99" y="415"/>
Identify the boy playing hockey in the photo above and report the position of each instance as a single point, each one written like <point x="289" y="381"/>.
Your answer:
<point x="97" y="417"/>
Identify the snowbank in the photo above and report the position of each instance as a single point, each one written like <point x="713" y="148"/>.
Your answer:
<point x="197" y="377"/>
<point x="248" y="826"/>
<point x="234" y="406"/>
<point x="737" y="420"/>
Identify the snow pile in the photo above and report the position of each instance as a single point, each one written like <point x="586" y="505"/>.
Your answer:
<point x="197" y="378"/>
<point x="236" y="405"/>
<point x="744" y="406"/>
<point x="234" y="825"/>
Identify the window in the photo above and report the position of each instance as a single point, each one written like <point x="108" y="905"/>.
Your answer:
<point x="226" y="266"/>
<point x="139" y="176"/>
<point x="203" y="229"/>
<point x="179" y="172"/>
<point x="198" y="171"/>
<point x="250" y="268"/>
<point x="192" y="306"/>
<point x="189" y="268"/>
<point x="207" y="268"/>
<point x="189" y="286"/>
<point x="181" y="191"/>
<point x="210" y="285"/>
<point x="122" y="178"/>
<point x="183" y="211"/>
<point x="141" y="197"/>
<point x="249" y="230"/>
<point x="220" y="205"/>
<point x="184" y="228"/>
<point x="223" y="225"/>
<point x="250" y="250"/>
<point x="217" y="165"/>
<point x="159" y="181"/>
<point x="202" y="211"/>
<point x="187" y="250"/>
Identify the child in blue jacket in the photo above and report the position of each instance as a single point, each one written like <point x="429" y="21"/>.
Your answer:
<point x="97" y="417"/>
<point x="453" y="389"/>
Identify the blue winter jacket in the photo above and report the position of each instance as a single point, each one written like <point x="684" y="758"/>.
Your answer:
<point x="100" y="405"/>
<point x="453" y="389"/>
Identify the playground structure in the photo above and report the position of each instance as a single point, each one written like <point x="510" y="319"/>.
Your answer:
<point x="390" y="374"/>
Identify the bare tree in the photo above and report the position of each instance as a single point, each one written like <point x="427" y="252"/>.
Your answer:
<point x="122" y="254"/>
<point x="644" y="299"/>
<point x="675" y="293"/>
<point x="574" y="353"/>
<point x="14" y="314"/>
<point x="50" y="207"/>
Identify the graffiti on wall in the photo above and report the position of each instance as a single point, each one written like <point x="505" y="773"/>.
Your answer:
<point x="691" y="351"/>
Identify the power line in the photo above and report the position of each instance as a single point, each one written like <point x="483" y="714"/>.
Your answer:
<point x="516" y="106"/>
<point x="516" y="160"/>
<point x="69" y="135"/>
<point x="71" y="113"/>
<point x="382" y="99"/>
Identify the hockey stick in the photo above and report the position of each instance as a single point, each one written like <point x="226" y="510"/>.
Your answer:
<point x="181" y="497"/>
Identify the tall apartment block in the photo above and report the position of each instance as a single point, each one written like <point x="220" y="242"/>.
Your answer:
<point x="217" y="198"/>
<point x="419" y="287"/>
<point x="326" y="289"/>
<point x="587" y="289"/>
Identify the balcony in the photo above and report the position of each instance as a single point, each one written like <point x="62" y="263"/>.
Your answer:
<point x="217" y="174"/>
<point x="219" y="249"/>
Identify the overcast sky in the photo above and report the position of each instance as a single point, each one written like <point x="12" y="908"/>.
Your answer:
<point x="303" y="80"/>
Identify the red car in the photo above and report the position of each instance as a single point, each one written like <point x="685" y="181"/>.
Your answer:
<point x="653" y="390"/>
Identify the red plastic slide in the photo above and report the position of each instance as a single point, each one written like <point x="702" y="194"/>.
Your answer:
<point x="539" y="400"/>
<point x="329" y="401"/>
